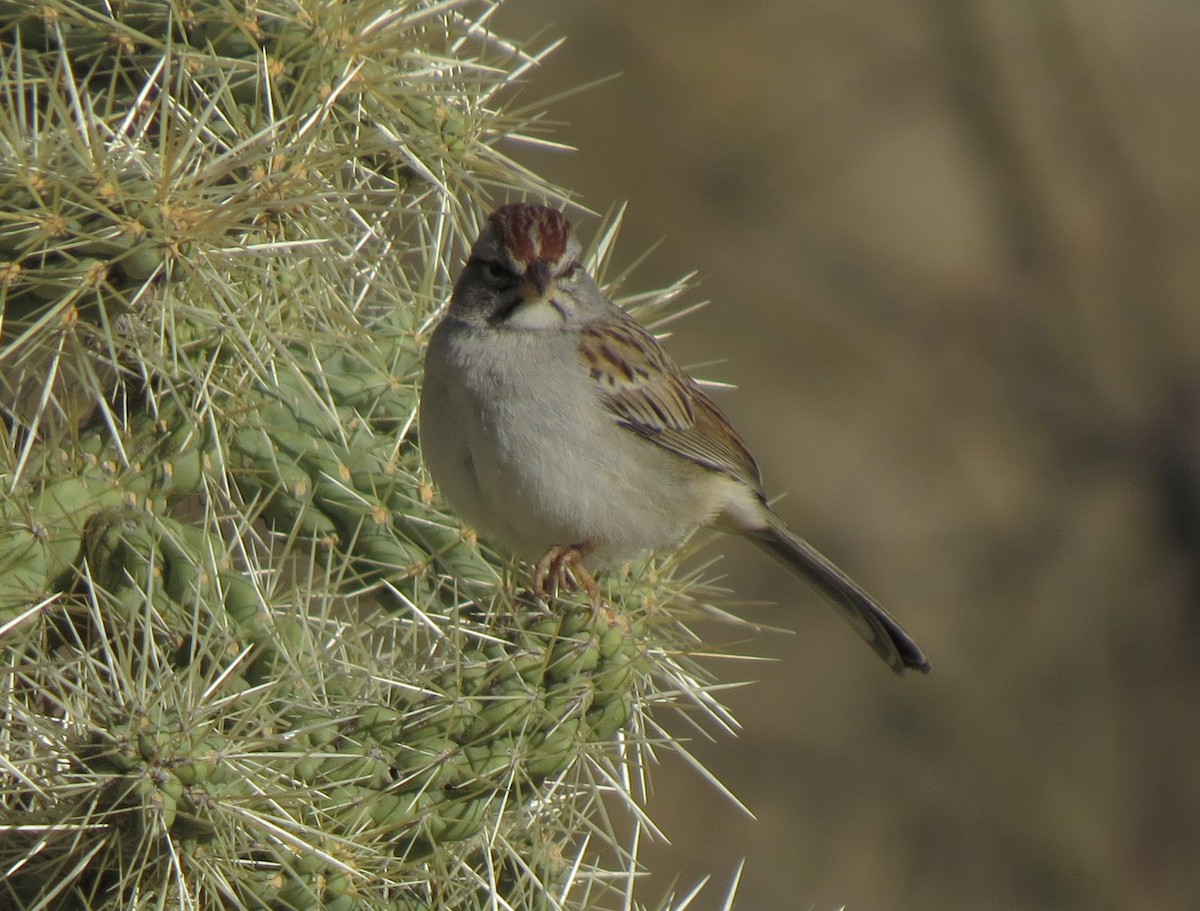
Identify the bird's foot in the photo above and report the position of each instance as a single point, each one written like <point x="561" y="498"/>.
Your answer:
<point x="562" y="569"/>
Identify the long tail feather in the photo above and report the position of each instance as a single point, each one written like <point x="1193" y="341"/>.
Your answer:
<point x="859" y="609"/>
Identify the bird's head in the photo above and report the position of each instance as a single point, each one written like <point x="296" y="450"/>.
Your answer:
<point x="524" y="272"/>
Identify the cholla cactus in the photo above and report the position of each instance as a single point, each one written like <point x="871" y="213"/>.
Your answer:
<point x="249" y="662"/>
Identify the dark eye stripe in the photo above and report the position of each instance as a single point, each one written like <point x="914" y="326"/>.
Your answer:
<point x="494" y="269"/>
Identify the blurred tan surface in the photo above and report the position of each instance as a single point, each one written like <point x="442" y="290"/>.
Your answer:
<point x="952" y="252"/>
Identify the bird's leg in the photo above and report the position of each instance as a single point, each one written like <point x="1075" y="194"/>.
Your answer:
<point x="541" y="571"/>
<point x="588" y="582"/>
<point x="562" y="568"/>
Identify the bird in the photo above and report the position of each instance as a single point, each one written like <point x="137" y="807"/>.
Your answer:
<point x="559" y="427"/>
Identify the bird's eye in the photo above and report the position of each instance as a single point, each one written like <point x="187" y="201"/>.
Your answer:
<point x="494" y="270"/>
<point x="574" y="271"/>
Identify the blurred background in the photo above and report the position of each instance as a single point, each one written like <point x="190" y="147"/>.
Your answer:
<point x="953" y="254"/>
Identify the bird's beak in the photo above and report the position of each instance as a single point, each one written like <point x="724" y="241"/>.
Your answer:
<point x="536" y="281"/>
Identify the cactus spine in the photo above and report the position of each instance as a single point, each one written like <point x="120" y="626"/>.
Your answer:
<point x="249" y="661"/>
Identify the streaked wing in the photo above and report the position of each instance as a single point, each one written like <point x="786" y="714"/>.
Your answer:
<point x="650" y="395"/>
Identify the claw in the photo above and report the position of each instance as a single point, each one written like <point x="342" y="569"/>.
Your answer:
<point x="562" y="567"/>
<point x="541" y="571"/>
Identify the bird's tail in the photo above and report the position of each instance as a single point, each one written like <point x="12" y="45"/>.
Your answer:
<point x="859" y="609"/>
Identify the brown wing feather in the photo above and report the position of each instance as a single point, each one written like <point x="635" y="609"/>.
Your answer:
<point x="650" y="395"/>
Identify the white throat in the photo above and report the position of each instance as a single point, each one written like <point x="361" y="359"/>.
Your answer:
<point x="539" y="315"/>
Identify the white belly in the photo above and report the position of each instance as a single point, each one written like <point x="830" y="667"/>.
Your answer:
<point x="516" y="437"/>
